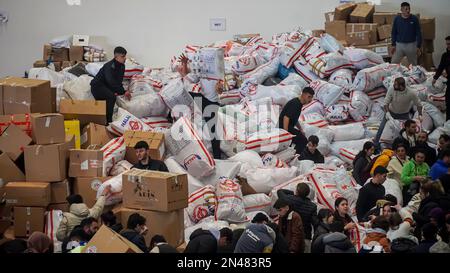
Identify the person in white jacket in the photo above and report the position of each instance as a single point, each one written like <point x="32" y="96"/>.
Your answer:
<point x="395" y="166"/>
<point x="401" y="226"/>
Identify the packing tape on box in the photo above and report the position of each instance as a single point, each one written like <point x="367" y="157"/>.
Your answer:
<point x="28" y="228"/>
<point x="37" y="150"/>
<point x="28" y="211"/>
<point x="47" y="122"/>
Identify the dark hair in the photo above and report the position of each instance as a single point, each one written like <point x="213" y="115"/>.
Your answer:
<point x="120" y="50"/>
<point x="108" y="218"/>
<point x="313" y="139"/>
<point x="405" y="4"/>
<point x="419" y="151"/>
<point x="380" y="170"/>
<point x="308" y="90"/>
<point x="409" y="122"/>
<point x="280" y="203"/>
<point x="13" y="246"/>
<point x="141" y="144"/>
<point x="399" y="145"/>
<point x="381" y="222"/>
<point x="447" y="218"/>
<point x="227" y="233"/>
<point x="134" y="220"/>
<point x="445" y="152"/>
<point x="395" y="219"/>
<point x="400" y="80"/>
<point x="74" y="199"/>
<point x="303" y="190"/>
<point x="337" y="226"/>
<point x="260" y="217"/>
<point x="445" y="137"/>
<point x="363" y="153"/>
<point x="157" y="239"/>
<point x="338" y="201"/>
<point x="429" y="231"/>
<point x="392" y="199"/>
<point x="447" y="38"/>
<point x="87" y="221"/>
<point x="324" y="214"/>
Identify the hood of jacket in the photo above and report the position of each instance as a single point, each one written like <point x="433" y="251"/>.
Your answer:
<point x="200" y="232"/>
<point x="80" y="210"/>
<point x="337" y="240"/>
<point x="388" y="152"/>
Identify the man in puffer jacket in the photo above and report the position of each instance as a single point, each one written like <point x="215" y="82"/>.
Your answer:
<point x="203" y="241"/>
<point x="79" y="211"/>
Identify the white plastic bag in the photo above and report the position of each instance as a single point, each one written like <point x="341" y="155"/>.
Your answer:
<point x="127" y="122"/>
<point x="370" y="78"/>
<point x="392" y="187"/>
<point x="304" y="71"/>
<point x="272" y="161"/>
<point x="43" y="73"/>
<point x="274" y="140"/>
<point x="257" y="202"/>
<point x="294" y="79"/>
<point x="437" y="116"/>
<point x="325" y="65"/>
<point x="80" y="88"/>
<point x="230" y="205"/>
<point x="116" y="189"/>
<point x="314" y="119"/>
<point x="120" y="167"/>
<point x="342" y="78"/>
<point x="177" y="99"/>
<point x="202" y="203"/>
<point x="363" y="58"/>
<point x="193" y="183"/>
<point x="361" y="102"/>
<point x="314" y="106"/>
<point x="93" y="68"/>
<point x="262" y="180"/>
<point x="337" y="113"/>
<point x="263" y="72"/>
<point x="351" y="131"/>
<point x="113" y="152"/>
<point x="326" y="93"/>
<point x="144" y="105"/>
<point x="330" y="44"/>
<point x="156" y="122"/>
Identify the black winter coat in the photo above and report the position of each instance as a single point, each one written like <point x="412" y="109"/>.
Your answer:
<point x="201" y="241"/>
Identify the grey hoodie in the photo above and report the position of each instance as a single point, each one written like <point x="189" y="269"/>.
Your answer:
<point x="257" y="238"/>
<point x="338" y="242"/>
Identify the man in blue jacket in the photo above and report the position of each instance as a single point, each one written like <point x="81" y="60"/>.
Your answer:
<point x="441" y="166"/>
<point x="406" y="36"/>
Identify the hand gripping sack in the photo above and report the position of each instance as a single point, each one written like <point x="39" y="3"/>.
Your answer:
<point x="189" y="149"/>
<point x="127" y="122"/>
<point x="325" y="65"/>
<point x="113" y="152"/>
<point x="351" y="131"/>
<point x="363" y="58"/>
<point x="337" y="113"/>
<point x="258" y="202"/>
<point x="326" y="93"/>
<point x="116" y="189"/>
<point x="342" y="78"/>
<point x="202" y="203"/>
<point x="230" y="204"/>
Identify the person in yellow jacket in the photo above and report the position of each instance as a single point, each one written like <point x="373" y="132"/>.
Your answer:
<point x="382" y="160"/>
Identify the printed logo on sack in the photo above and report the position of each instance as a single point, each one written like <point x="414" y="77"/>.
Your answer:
<point x="200" y="212"/>
<point x="188" y="161"/>
<point x="125" y="120"/>
<point x="136" y="126"/>
<point x="244" y="61"/>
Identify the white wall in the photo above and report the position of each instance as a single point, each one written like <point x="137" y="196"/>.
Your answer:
<point x="154" y="30"/>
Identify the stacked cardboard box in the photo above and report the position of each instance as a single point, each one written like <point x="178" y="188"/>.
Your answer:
<point x="159" y="197"/>
<point x="155" y="142"/>
<point x="60" y="57"/>
<point x="94" y="134"/>
<point x="86" y="111"/>
<point x="428" y="27"/>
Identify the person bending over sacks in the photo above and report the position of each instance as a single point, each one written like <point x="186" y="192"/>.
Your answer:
<point x="289" y="118"/>
<point x="145" y="161"/>
<point x="311" y="152"/>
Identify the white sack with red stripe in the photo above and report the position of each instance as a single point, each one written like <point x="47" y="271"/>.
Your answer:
<point x="437" y="116"/>
<point x="314" y="106"/>
<point x="392" y="186"/>
<point x="249" y="159"/>
<point x="379" y="92"/>
<point x="346" y="186"/>
<point x="142" y="84"/>
<point x="325" y="65"/>
<point x="271" y="141"/>
<point x="144" y="105"/>
<point x="350" y="144"/>
<point x="438" y="87"/>
<point x="176" y="98"/>
<point x="188" y="148"/>
<point x="294" y="79"/>
<point x="132" y="68"/>
<point x="303" y="69"/>
<point x="371" y="78"/>
<point x="330" y="44"/>
<point x="358" y="235"/>
<point x="326" y="93"/>
<point x="333" y="161"/>
<point x="342" y="78"/>
<point x="280" y="94"/>
<point x="230" y="203"/>
<point x="324" y="186"/>
<point x="347" y="155"/>
<point x="80" y="88"/>
<point x="416" y="75"/>
<point x="116" y="190"/>
<point x="224" y="168"/>
<point x="173" y="167"/>
<point x="272" y="161"/>
<point x="262" y="180"/>
<point x="263" y="72"/>
<point x="337" y="113"/>
<point x="120" y="167"/>
<point x="258" y="202"/>
<point x="230" y="97"/>
<point x="202" y="203"/>
<point x="421" y="91"/>
<point x="297" y="45"/>
<point x="351" y="131"/>
<point x="157" y="122"/>
<point x="314" y="119"/>
<point x="427" y="122"/>
<point x="113" y="152"/>
<point x="363" y="58"/>
<point x="437" y="100"/>
<point x="361" y="102"/>
<point x="127" y="122"/>
<point x="286" y="155"/>
<point x="53" y="219"/>
<point x="244" y="64"/>
<point x="436" y="134"/>
<point x="376" y="115"/>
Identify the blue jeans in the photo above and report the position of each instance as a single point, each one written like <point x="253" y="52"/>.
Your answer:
<point x="404" y="116"/>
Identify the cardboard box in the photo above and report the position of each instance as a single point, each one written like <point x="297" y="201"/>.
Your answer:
<point x="60" y="54"/>
<point x="72" y="130"/>
<point x="426" y="60"/>
<point x="158" y="191"/>
<point x="1" y="102"/>
<point x="59" y="191"/>
<point x="58" y="66"/>
<point x="350" y="28"/>
<point x="384" y="18"/>
<point x="47" y="162"/>
<point x="8" y="170"/>
<point x="48" y="128"/>
<point x="384" y="32"/>
<point x="106" y="240"/>
<point x="60" y="206"/>
<point x="40" y="63"/>
<point x="23" y="121"/>
<point x="76" y="53"/>
<point x="86" y="163"/>
<point x="23" y="96"/>
<point x="13" y="140"/>
<point x="329" y="16"/>
<point x="80" y="40"/>
<point x="428" y="46"/>
<point x="168" y="224"/>
<point x="428" y="27"/>
<point x="343" y="11"/>
<point x="95" y="134"/>
<point x="155" y="142"/>
<point x="362" y="38"/>
<point x="336" y="29"/>
<point x="363" y="13"/>
<point x="181" y="248"/>
<point x="35" y="194"/>
<point x="317" y="32"/>
<point x="383" y="49"/>
<point x="68" y="64"/>
<point x="6" y="217"/>
<point x="47" y="53"/>
<point x="28" y="220"/>
<point x="85" y="111"/>
<point x="87" y="187"/>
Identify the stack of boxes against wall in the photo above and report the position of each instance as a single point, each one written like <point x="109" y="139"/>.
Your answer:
<point x="359" y="25"/>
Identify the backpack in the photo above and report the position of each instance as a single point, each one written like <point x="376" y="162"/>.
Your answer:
<point x="402" y="245"/>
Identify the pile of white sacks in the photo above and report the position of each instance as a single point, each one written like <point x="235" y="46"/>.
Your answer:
<point x="350" y="85"/>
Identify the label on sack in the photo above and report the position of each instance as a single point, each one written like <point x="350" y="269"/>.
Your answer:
<point x="95" y="184"/>
<point x="84" y="165"/>
<point x="91" y="249"/>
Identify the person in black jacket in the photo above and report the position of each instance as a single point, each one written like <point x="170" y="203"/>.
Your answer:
<point x="361" y="163"/>
<point x="158" y="244"/>
<point x="226" y="241"/>
<point x="145" y="161"/>
<point x="429" y="232"/>
<point x="110" y="220"/>
<point x="334" y="241"/>
<point x="135" y="231"/>
<point x="301" y="204"/>
<point x="325" y="218"/>
<point x="445" y="65"/>
<point x="407" y="135"/>
<point x="371" y="192"/>
<point x="203" y="241"/>
<point x="107" y="84"/>
<point x="311" y="152"/>
<point x="422" y="144"/>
